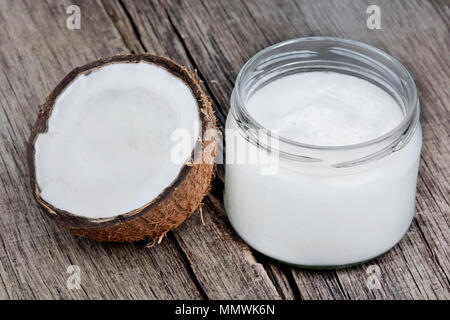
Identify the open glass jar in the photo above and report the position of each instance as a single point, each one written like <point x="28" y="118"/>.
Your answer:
<point x="322" y="206"/>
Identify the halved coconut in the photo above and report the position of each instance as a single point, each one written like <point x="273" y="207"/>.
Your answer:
<point x="103" y="154"/>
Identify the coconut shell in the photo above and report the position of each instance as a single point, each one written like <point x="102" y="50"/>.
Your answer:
<point x="177" y="201"/>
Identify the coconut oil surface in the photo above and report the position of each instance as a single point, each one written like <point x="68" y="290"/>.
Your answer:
<point x="310" y="213"/>
<point x="325" y="109"/>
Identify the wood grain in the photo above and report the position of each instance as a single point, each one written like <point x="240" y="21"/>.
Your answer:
<point x="222" y="264"/>
<point x="214" y="37"/>
<point x="36" y="51"/>
<point x="241" y="29"/>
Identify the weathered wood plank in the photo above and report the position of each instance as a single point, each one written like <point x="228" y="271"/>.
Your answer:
<point x="223" y="265"/>
<point x="217" y="34"/>
<point x="36" y="50"/>
<point x="281" y="277"/>
<point x="221" y="36"/>
<point x="420" y="276"/>
<point x="215" y="37"/>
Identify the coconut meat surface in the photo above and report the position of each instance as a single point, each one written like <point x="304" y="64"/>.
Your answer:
<point x="111" y="140"/>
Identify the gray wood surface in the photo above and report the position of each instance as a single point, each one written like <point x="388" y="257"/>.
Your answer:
<point x="209" y="261"/>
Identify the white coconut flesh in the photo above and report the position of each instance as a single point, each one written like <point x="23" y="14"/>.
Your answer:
<point x="108" y="149"/>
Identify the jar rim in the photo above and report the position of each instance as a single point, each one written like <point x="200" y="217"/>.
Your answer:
<point x="408" y="123"/>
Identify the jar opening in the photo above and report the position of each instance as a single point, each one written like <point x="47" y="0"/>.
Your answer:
<point x="335" y="55"/>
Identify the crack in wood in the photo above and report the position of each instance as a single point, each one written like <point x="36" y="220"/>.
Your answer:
<point x="133" y="24"/>
<point x="138" y="37"/>
<point x="194" y="64"/>
<point x="189" y="267"/>
<point x="432" y="253"/>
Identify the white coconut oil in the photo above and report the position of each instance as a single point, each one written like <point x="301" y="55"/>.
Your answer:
<point x="342" y="191"/>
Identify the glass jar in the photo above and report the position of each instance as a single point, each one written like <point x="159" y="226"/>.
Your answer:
<point x="322" y="207"/>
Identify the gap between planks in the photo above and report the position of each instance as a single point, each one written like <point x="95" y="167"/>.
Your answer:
<point x="136" y="45"/>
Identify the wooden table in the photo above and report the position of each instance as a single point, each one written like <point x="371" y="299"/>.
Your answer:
<point x="209" y="261"/>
